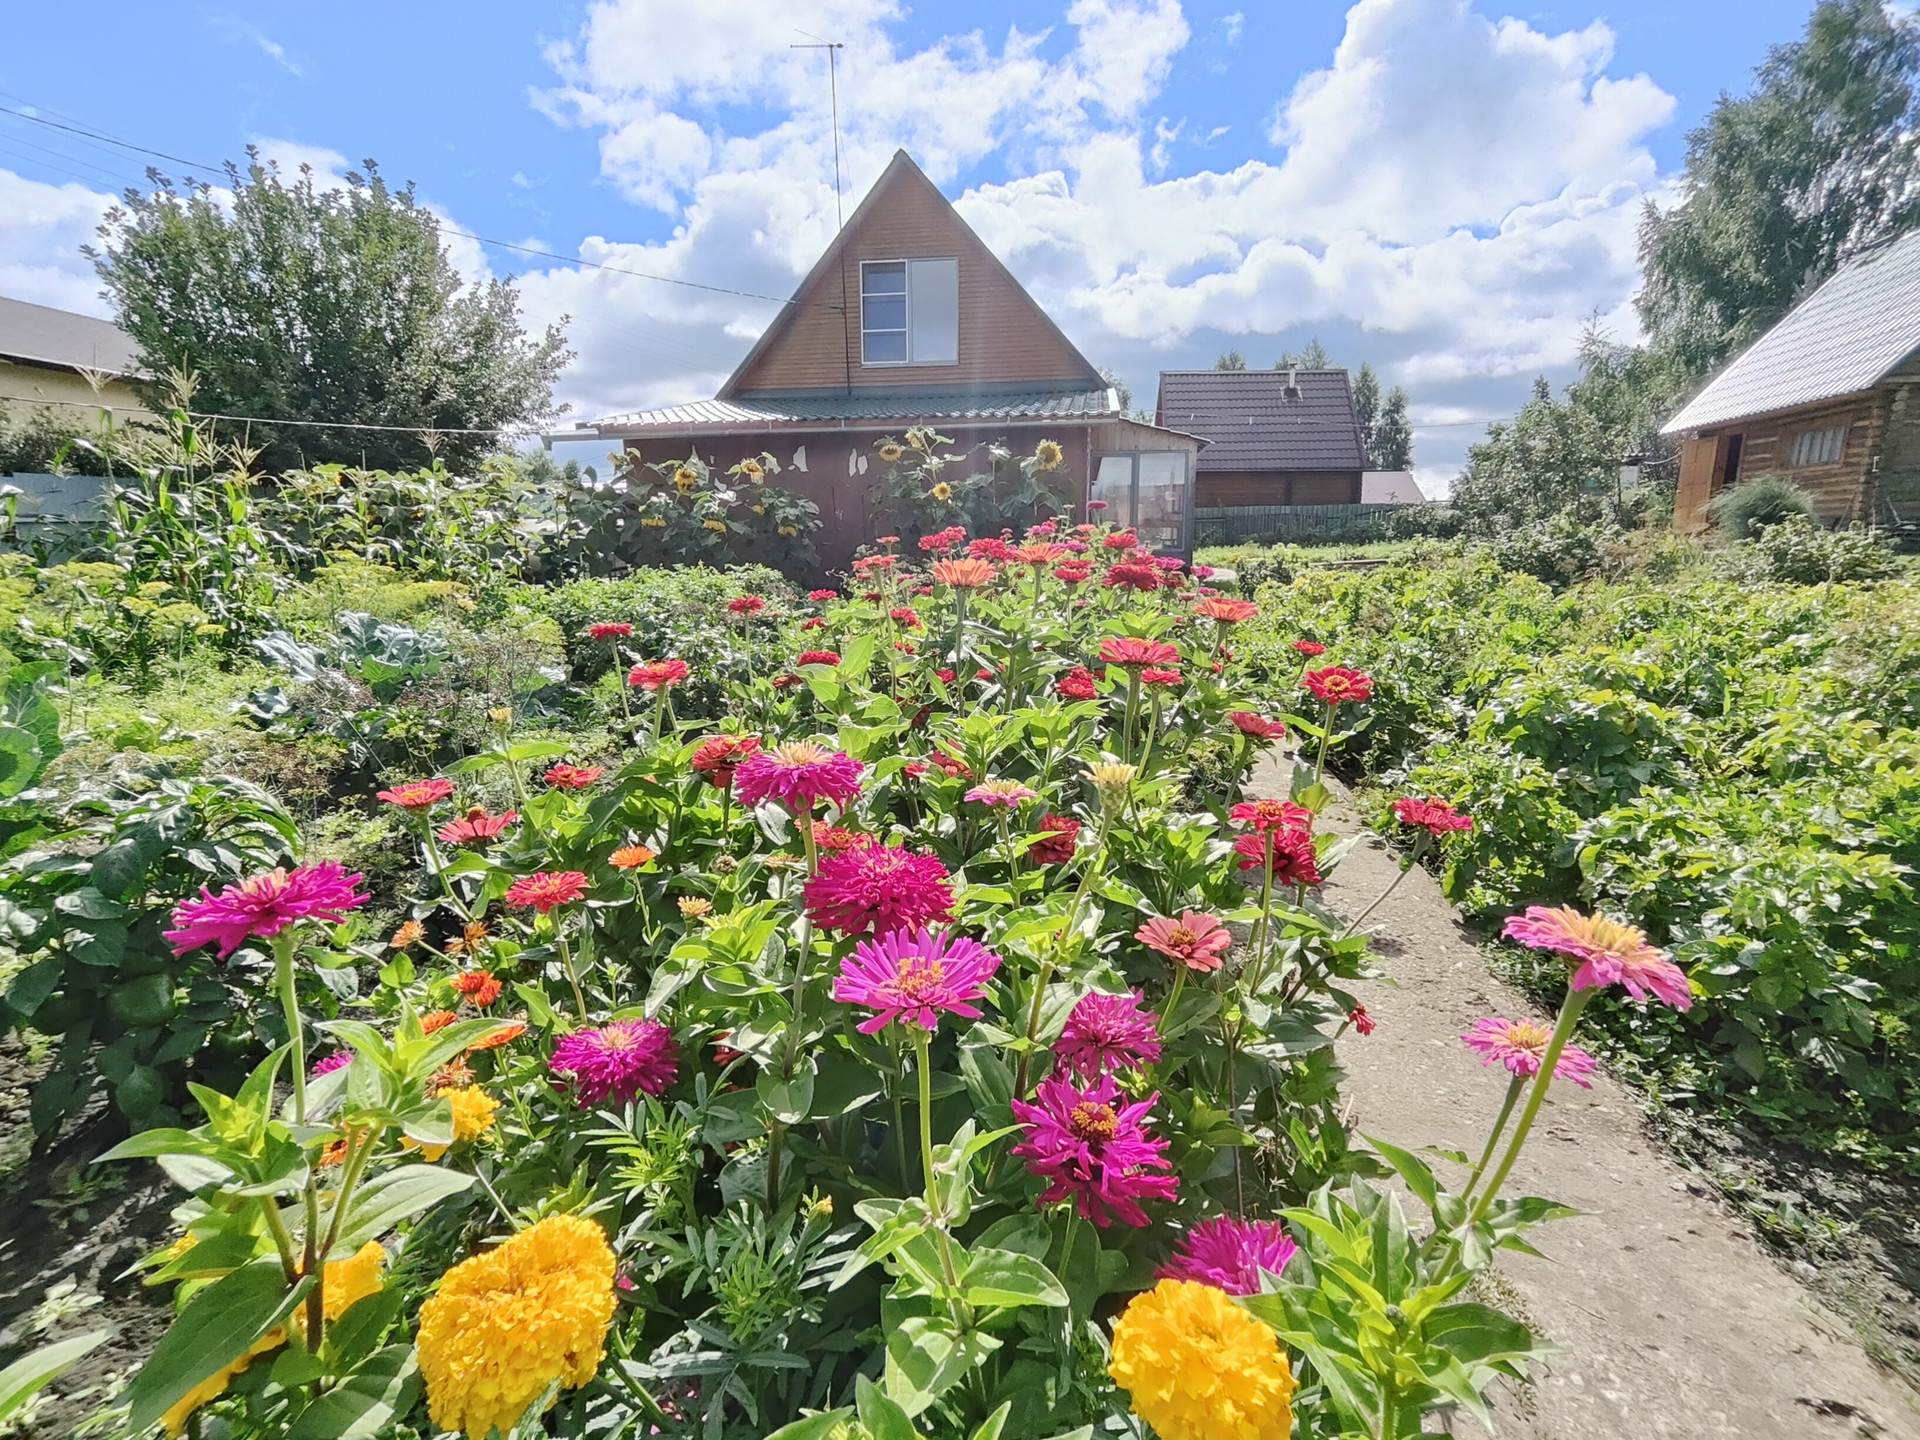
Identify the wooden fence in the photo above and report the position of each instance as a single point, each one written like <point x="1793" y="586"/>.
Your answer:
<point x="1231" y="525"/>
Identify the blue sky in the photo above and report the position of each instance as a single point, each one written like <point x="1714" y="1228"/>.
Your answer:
<point x="1444" y="187"/>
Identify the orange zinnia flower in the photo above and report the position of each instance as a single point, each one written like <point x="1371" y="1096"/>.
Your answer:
<point x="630" y="857"/>
<point x="437" y="1020"/>
<point x="479" y="986"/>
<point x="407" y="934"/>
<point x="504" y="1035"/>
<point x="967" y="574"/>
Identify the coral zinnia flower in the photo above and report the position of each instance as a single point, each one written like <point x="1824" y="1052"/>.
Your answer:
<point x="747" y="605"/>
<point x="418" y="794"/>
<point x="1009" y="793"/>
<point x="816" y="657"/>
<point x="264" y="906"/>
<point x="1197" y="1366"/>
<point x="479" y="986"/>
<point x="1072" y="574"/>
<point x="618" y="1061"/>
<point x="1227" y="612"/>
<point x="1337" y="684"/>
<point x="1093" y="1153"/>
<point x="506" y="1324"/>
<point x="1076" y="684"/>
<point x="968" y="574"/>
<point x="694" y="907"/>
<point x="545" y="890"/>
<point x="1272" y="814"/>
<point x="1229" y="1254"/>
<point x="720" y="755"/>
<point x="1521" y="1045"/>
<point x="573" y="777"/>
<point x="435" y="1021"/>
<point x="407" y="936"/>
<point x="1108" y="1032"/>
<point x="1294" y="859"/>
<point x="476" y="824"/>
<point x="1197" y="941"/>
<point x="1134" y="654"/>
<point x="1060" y="835"/>
<point x="1250" y="724"/>
<point x="837" y="837"/>
<point x="911" y="976"/>
<point x="657" y="673"/>
<point x="1160" y="677"/>
<point x="1309" y="648"/>
<point x="630" y="857"/>
<point x="1608" y="951"/>
<point x="609" y="630"/>
<point x="798" y="774"/>
<point x="1043" y="553"/>
<point x="878" y="890"/>
<point x="1436" y="817"/>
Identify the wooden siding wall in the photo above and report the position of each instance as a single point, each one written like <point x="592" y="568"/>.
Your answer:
<point x="833" y="479"/>
<point x="1004" y="337"/>
<point x="1222" y="488"/>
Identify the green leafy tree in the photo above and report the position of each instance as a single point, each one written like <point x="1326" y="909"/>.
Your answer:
<point x="1314" y="357"/>
<point x="1822" y="158"/>
<point x="1390" y="440"/>
<point x="1232" y="360"/>
<point x="1366" y="402"/>
<point x="302" y="302"/>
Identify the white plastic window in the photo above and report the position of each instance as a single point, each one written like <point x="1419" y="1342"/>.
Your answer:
<point x="910" y="312"/>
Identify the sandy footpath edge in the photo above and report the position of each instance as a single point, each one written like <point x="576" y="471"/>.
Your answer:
<point x="1674" y="1320"/>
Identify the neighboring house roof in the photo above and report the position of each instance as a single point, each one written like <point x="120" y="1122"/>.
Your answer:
<point x="867" y="410"/>
<point x="1844" y="338"/>
<point x="41" y="335"/>
<point x="1389" y="487"/>
<point x="1266" y="419"/>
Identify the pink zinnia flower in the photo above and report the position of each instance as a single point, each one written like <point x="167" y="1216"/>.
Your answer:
<point x="1436" y="817"/>
<point x="1294" y="860"/>
<point x="1108" y="1032"/>
<point x="1134" y="654"/>
<point x="264" y="906"/>
<point x="1608" y="951"/>
<point x="1160" y="677"/>
<point x="573" y="777"/>
<point x="418" y="794"/>
<point x="1337" y="685"/>
<point x="1310" y="648"/>
<point x="476" y="824"/>
<point x="618" y="1061"/>
<point x="1010" y="793"/>
<point x="609" y="630"/>
<point x="911" y="976"/>
<point x="657" y="674"/>
<point x="1230" y="1254"/>
<point x="878" y="890"/>
<point x="823" y="595"/>
<point x="1093" y="1151"/>
<point x="1521" y="1045"/>
<point x="544" y="890"/>
<point x="1272" y="815"/>
<point x="1253" y="726"/>
<point x="1197" y="941"/>
<point x="798" y="774"/>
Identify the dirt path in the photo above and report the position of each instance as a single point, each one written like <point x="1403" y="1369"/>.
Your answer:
<point x="1674" y="1320"/>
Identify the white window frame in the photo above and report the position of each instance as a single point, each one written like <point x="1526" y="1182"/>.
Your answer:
<point x="1817" y="439"/>
<point x="911" y="361"/>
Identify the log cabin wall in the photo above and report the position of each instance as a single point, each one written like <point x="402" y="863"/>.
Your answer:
<point x="1839" y="487"/>
<point x="1896" y="483"/>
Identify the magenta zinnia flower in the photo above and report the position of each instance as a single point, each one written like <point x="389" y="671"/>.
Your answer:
<point x="1098" y="1156"/>
<point x="798" y="774"/>
<point x="878" y="890"/>
<point x="1608" y="951"/>
<point x="1229" y="1254"/>
<point x="338" y="1060"/>
<point x="264" y="906"/>
<point x="1521" y="1045"/>
<point x="1108" y="1032"/>
<point x="618" y="1061"/>
<point x="911" y="976"/>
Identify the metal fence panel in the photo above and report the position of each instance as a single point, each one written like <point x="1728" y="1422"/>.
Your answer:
<point x="1236" y="524"/>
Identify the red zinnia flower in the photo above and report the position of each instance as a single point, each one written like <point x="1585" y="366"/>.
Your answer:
<point x="945" y="675"/>
<point x="1134" y="654"/>
<point x="1269" y="814"/>
<point x="720" y="755"/>
<point x="1362" y="1021"/>
<point x="573" y="777"/>
<point x="1076" y="684"/>
<point x="878" y="890"/>
<point x="418" y="794"/>
<point x="955" y="769"/>
<point x="1142" y="577"/>
<point x="543" y="891"/>
<point x="1252" y="725"/>
<point x="913" y="976"/>
<point x="1060" y="835"/>
<point x="476" y="824"/>
<point x="1309" y="648"/>
<point x="1436" y="817"/>
<point x="817" y="622"/>
<point x="989" y="547"/>
<point x="817" y="657"/>
<point x="657" y="673"/>
<point x="479" y="986"/>
<point x="904" y="615"/>
<point x="823" y="595"/>
<point x="747" y="605"/>
<point x="264" y="906"/>
<point x="1122" y="541"/>
<point x="609" y="630"/>
<point x="1337" y="683"/>
<point x="1094" y="1151"/>
<point x="1294" y="859"/>
<point x="914" y="769"/>
<point x="1072" y="574"/>
<point x="798" y="774"/>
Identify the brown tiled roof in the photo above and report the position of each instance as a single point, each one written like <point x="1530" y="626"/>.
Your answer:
<point x="1256" y="420"/>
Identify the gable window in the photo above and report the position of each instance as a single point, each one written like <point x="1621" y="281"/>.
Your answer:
<point x="1818" y="447"/>
<point x="910" y="312"/>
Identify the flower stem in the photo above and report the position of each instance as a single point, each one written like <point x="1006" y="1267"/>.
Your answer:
<point x="620" y="683"/>
<point x="1413" y="859"/>
<point x="1514" y="1088"/>
<point x="283" y="948"/>
<point x="923" y="1069"/>
<point x="1326" y="736"/>
<point x="1570" y="1009"/>
<point x="566" y="958"/>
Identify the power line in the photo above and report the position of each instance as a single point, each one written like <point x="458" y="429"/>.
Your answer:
<point x="310" y="424"/>
<point x="96" y="135"/>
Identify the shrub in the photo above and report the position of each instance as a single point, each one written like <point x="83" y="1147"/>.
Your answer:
<point x="1741" y="511"/>
<point x="1426" y="522"/>
<point x="1796" y="551"/>
<point x="1557" y="551"/>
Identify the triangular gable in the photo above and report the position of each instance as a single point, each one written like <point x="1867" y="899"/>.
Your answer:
<point x="1006" y="340"/>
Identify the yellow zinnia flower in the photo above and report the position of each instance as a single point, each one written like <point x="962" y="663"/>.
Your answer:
<point x="506" y="1324"/>
<point x="1198" y="1367"/>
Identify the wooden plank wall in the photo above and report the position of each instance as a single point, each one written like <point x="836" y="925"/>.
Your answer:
<point x="1219" y="488"/>
<point x="1840" y="490"/>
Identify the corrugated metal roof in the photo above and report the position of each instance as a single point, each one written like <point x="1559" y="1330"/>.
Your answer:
<point x="1253" y="421"/>
<point x="906" y="407"/>
<point x="59" y="337"/>
<point x="1840" y="340"/>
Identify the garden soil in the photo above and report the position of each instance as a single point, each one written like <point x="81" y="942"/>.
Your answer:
<point x="1674" y="1321"/>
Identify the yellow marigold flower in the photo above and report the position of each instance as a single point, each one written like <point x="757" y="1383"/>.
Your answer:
<point x="506" y="1324"/>
<point x="472" y="1117"/>
<point x="1199" y="1367"/>
<point x="1049" y="454"/>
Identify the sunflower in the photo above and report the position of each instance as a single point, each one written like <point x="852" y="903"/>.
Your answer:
<point x="890" y="451"/>
<point x="1049" y="454"/>
<point x="943" y="492"/>
<point x="684" y="479"/>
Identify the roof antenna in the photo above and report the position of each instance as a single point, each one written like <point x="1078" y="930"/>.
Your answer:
<point x="833" y="48"/>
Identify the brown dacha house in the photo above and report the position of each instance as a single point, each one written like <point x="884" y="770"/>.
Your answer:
<point x="909" y="319"/>
<point x="1824" y="398"/>
<point x="1274" y="437"/>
